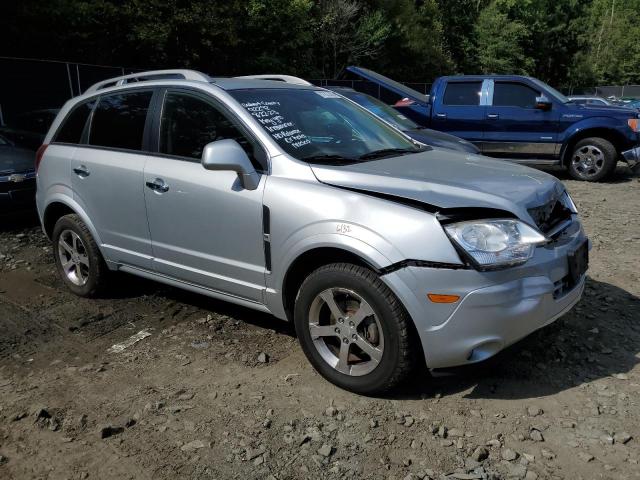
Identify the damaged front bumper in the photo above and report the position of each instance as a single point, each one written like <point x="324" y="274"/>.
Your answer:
<point x="632" y="157"/>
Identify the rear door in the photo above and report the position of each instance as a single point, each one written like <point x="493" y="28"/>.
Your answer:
<point x="205" y="228"/>
<point x="458" y="110"/>
<point x="107" y="175"/>
<point x="515" y="128"/>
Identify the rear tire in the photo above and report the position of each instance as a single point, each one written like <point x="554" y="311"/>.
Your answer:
<point x="77" y="256"/>
<point x="593" y="159"/>
<point x="372" y="325"/>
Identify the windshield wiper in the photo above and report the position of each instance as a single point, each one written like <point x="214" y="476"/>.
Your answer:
<point x="387" y="152"/>
<point x="330" y="159"/>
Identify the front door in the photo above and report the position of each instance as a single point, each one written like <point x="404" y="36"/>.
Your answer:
<point x="515" y="128"/>
<point x="107" y="172"/>
<point x="205" y="228"/>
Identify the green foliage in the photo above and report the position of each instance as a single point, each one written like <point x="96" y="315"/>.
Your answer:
<point x="610" y="33"/>
<point x="564" y="42"/>
<point x="348" y="33"/>
<point x="501" y="43"/>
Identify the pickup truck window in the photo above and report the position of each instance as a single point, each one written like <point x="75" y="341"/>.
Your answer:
<point x="514" y="95"/>
<point x="462" y="93"/>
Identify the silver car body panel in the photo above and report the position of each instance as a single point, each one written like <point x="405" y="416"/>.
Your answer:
<point x="205" y="233"/>
<point x="121" y="218"/>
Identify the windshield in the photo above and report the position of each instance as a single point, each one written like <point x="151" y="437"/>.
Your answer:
<point x="554" y="93"/>
<point x="320" y="126"/>
<point x="381" y="109"/>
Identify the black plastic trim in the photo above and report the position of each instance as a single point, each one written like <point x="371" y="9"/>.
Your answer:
<point x="266" y="231"/>
<point x="421" y="263"/>
<point x="462" y="214"/>
<point x="266" y="220"/>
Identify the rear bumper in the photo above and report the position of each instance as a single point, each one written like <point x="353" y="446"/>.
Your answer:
<point x="632" y="157"/>
<point x="495" y="308"/>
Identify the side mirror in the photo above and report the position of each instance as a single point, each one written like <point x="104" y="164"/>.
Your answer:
<point x="229" y="155"/>
<point x="543" y="103"/>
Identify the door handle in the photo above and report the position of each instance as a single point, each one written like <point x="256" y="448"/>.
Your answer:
<point x="81" y="171"/>
<point x="493" y="116"/>
<point x="158" y="185"/>
<point x="441" y="115"/>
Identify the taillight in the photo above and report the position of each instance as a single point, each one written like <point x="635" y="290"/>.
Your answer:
<point x="40" y="154"/>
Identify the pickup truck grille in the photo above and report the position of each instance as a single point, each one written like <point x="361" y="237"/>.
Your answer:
<point x="550" y="214"/>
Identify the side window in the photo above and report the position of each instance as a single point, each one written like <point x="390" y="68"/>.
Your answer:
<point x="73" y="125"/>
<point x="189" y="123"/>
<point x="462" y="93"/>
<point x="514" y="95"/>
<point x="119" y="119"/>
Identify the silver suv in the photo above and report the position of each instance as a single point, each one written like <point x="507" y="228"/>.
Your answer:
<point x="289" y="199"/>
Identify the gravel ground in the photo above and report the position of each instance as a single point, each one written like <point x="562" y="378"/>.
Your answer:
<point x="218" y="391"/>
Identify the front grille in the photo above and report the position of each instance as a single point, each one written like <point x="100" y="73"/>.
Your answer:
<point x="7" y="186"/>
<point x="550" y="214"/>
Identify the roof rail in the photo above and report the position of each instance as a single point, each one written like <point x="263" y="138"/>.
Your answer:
<point x="148" y="76"/>
<point x="278" y="78"/>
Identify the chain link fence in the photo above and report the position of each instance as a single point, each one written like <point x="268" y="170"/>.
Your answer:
<point x="28" y="86"/>
<point x="33" y="85"/>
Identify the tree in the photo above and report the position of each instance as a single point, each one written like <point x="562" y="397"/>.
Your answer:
<point x="272" y="47"/>
<point x="610" y="39"/>
<point x="415" y="49"/>
<point x="348" y="34"/>
<point x="501" y="43"/>
<point x="458" y="21"/>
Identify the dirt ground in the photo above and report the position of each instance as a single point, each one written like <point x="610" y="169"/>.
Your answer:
<point x="217" y="391"/>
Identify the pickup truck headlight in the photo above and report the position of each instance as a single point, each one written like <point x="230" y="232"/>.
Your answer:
<point x="496" y="243"/>
<point x="634" y="124"/>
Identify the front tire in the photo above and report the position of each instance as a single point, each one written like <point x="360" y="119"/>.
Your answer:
<point x="593" y="159"/>
<point x="78" y="258"/>
<point x="354" y="330"/>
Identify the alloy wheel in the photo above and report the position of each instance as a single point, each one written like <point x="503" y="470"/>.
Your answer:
<point x="73" y="256"/>
<point x="346" y="331"/>
<point x="588" y="161"/>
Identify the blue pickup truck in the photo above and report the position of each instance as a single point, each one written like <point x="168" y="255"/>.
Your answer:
<point x="519" y="118"/>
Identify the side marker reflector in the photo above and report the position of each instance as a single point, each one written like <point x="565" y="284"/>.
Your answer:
<point x="439" y="298"/>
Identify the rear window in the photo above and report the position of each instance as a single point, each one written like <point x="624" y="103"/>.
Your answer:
<point x="73" y="125"/>
<point x="462" y="93"/>
<point x="119" y="120"/>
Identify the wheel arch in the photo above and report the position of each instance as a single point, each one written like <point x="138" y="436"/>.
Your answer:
<point x="616" y="138"/>
<point x="310" y="260"/>
<point x="58" y="207"/>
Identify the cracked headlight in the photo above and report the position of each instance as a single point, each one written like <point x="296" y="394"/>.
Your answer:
<point x="496" y="243"/>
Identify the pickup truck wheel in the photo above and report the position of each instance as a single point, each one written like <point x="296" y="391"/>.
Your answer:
<point x="593" y="159"/>
<point x="354" y="330"/>
<point x="77" y="257"/>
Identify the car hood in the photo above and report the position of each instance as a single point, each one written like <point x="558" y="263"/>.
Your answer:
<point x="14" y="159"/>
<point x="441" y="139"/>
<point x="445" y="179"/>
